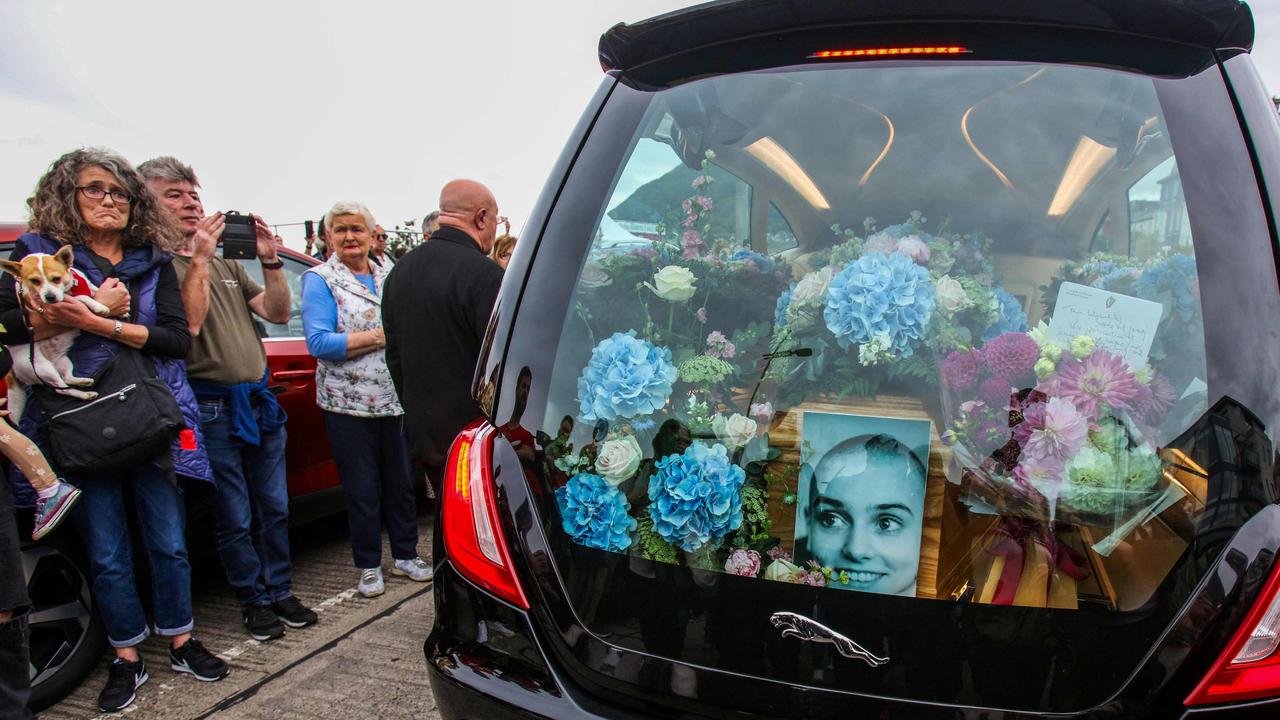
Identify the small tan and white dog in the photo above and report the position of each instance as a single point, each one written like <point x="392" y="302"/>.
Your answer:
<point x="52" y="278"/>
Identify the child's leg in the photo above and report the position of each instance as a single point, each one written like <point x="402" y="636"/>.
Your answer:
<point x="24" y="453"/>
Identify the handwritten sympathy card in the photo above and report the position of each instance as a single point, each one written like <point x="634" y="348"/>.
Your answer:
<point x="1123" y="324"/>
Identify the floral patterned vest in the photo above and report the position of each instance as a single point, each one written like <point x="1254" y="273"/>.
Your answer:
<point x="359" y="386"/>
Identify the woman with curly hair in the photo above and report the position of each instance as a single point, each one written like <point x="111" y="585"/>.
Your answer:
<point x="94" y="200"/>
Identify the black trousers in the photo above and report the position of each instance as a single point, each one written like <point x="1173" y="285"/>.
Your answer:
<point x="15" y="661"/>
<point x="373" y="466"/>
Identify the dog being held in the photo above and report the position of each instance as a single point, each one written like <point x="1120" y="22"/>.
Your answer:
<point x="52" y="279"/>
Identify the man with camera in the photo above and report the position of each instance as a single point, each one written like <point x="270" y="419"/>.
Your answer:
<point x="242" y="422"/>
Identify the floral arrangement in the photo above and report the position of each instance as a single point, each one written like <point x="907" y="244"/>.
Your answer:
<point x="595" y="513"/>
<point x="1053" y="432"/>
<point x="1167" y="278"/>
<point x="626" y="377"/>
<point x="695" y="498"/>
<point x="881" y="308"/>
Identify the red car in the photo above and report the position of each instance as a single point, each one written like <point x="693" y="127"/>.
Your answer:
<point x="67" y="638"/>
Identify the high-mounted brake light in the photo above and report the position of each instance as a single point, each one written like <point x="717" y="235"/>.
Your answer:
<point x="1249" y="667"/>
<point x="890" y="51"/>
<point x="473" y="538"/>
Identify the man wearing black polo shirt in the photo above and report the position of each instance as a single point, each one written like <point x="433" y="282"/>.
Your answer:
<point x="243" y="425"/>
<point x="435" y="308"/>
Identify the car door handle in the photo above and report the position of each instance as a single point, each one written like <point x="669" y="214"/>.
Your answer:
<point x="284" y="375"/>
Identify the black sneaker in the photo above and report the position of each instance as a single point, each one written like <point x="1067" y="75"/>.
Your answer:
<point x="123" y="680"/>
<point x="263" y="624"/>
<point x="193" y="658"/>
<point x="293" y="613"/>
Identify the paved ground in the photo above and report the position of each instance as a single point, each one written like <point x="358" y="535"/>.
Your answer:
<point x="363" y="660"/>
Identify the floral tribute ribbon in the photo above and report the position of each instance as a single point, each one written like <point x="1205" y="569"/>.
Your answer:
<point x="1023" y="580"/>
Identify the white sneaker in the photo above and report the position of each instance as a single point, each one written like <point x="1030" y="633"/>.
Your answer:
<point x="371" y="584"/>
<point x="416" y="569"/>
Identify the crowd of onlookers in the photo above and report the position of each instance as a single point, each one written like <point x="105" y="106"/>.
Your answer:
<point x="118" y="290"/>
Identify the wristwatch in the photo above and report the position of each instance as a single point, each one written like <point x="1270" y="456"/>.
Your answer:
<point x="273" y="265"/>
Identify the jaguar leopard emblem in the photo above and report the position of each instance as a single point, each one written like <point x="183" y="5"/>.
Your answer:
<point x="801" y="627"/>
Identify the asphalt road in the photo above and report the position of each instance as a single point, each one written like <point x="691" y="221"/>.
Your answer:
<point x="362" y="660"/>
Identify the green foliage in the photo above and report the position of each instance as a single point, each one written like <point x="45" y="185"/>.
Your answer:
<point x="651" y="544"/>
<point x="755" y="518"/>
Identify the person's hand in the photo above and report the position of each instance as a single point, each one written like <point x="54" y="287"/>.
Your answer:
<point x="208" y="233"/>
<point x="71" y="314"/>
<point x="115" y="296"/>
<point x="266" y="240"/>
<point x="4" y="406"/>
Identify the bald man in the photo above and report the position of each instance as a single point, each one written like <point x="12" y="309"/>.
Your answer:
<point x="435" y="308"/>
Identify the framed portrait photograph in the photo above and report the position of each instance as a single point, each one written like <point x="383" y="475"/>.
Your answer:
<point x="861" y="499"/>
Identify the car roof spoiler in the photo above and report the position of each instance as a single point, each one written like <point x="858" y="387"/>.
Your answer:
<point x="1216" y="25"/>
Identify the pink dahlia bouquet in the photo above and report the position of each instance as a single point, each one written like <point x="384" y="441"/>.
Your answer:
<point x="1055" y="433"/>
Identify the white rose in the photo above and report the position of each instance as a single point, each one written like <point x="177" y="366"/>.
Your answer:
<point x="951" y="295"/>
<point x="618" y="460"/>
<point x="812" y="288"/>
<point x="734" y="431"/>
<point x="807" y="299"/>
<point x="674" y="283"/>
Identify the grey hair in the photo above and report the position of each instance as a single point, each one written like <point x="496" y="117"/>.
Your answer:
<point x="431" y="217"/>
<point x="168" y="167"/>
<point x="349" y="207"/>
<point x="55" y="212"/>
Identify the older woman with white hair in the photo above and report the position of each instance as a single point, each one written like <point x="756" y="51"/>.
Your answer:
<point x="341" y="314"/>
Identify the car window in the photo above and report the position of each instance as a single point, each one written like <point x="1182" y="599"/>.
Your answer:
<point x="293" y="270"/>
<point x="956" y="391"/>
<point x="780" y="236"/>
<point x="661" y="199"/>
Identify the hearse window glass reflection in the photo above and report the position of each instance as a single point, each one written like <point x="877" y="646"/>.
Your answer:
<point x="968" y="385"/>
<point x="780" y="237"/>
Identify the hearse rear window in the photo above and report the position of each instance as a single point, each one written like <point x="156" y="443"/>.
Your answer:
<point x="924" y="330"/>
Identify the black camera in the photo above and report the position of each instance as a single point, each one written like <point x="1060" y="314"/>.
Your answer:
<point x="239" y="237"/>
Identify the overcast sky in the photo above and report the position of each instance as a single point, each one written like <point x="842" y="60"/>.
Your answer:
<point x="284" y="108"/>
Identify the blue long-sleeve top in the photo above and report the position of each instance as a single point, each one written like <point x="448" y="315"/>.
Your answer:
<point x="320" y="317"/>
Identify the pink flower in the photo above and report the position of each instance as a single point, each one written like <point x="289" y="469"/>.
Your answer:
<point x="915" y="248"/>
<point x="687" y="205"/>
<point x="1155" y="400"/>
<point x="701" y="315"/>
<point x="1043" y="474"/>
<point x="699" y="181"/>
<point x="743" y="562"/>
<point x="692" y="244"/>
<point x="960" y="369"/>
<point x="763" y="414"/>
<point x="777" y="553"/>
<point x="705" y="202"/>
<point x="1103" y="378"/>
<point x="995" y="392"/>
<point x="1054" y="430"/>
<point x="1011" y="354"/>
<point x="719" y="346"/>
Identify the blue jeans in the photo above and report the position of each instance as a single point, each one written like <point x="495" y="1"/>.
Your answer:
<point x="104" y="527"/>
<point x="373" y="466"/>
<point x="251" y="508"/>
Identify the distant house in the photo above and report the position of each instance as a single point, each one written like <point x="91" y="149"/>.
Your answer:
<point x="646" y="230"/>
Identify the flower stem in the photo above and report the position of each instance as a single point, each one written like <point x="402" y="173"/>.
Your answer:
<point x="671" y="318"/>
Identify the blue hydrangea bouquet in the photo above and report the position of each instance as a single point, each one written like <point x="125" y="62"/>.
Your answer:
<point x="877" y="310"/>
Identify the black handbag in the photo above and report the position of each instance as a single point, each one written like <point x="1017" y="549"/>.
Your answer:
<point x="134" y="418"/>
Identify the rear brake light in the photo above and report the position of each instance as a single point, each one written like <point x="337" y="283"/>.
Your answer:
<point x="1249" y="667"/>
<point x="473" y="538"/>
<point x="890" y="51"/>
